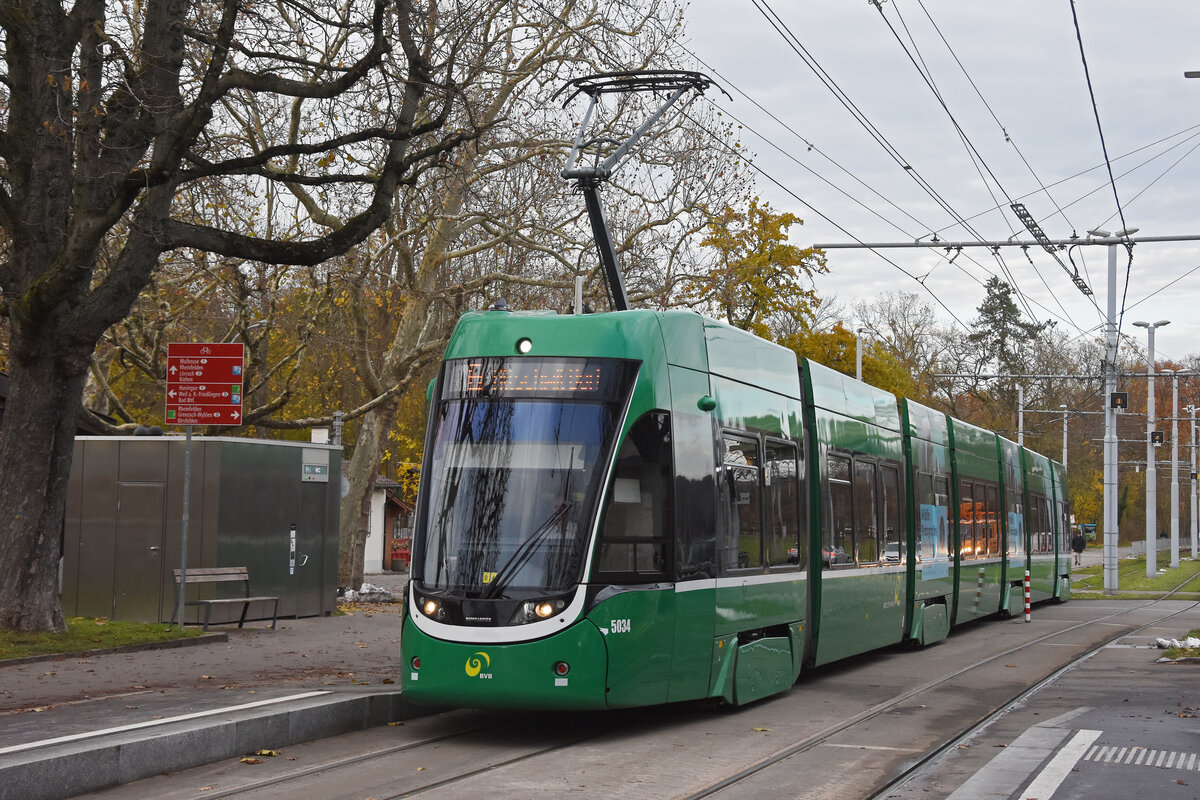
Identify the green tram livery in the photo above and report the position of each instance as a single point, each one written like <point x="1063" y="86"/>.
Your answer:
<point x="644" y="507"/>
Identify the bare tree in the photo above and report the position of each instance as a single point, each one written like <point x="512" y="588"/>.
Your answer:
<point x="499" y="219"/>
<point x="122" y="135"/>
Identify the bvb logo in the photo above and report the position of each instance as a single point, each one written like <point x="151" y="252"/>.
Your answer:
<point x="476" y="663"/>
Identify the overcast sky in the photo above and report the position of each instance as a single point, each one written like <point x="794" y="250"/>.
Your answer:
<point x="1024" y="60"/>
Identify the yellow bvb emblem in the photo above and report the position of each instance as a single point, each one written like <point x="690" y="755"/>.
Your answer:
<point x="476" y="663"/>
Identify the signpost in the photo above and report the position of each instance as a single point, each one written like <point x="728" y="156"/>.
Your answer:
<point x="204" y="387"/>
<point x="204" y="384"/>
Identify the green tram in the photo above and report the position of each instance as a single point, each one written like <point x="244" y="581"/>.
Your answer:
<point x="643" y="507"/>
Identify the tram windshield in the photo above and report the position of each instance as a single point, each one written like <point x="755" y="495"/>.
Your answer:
<point x="518" y="453"/>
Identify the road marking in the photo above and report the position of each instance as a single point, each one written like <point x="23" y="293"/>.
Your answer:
<point x="1049" y="779"/>
<point x="1012" y="766"/>
<point x="75" y="737"/>
<point x="1138" y="756"/>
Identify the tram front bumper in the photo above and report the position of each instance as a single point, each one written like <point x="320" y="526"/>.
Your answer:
<point x="510" y="675"/>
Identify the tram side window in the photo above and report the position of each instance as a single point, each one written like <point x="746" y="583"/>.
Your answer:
<point x="781" y="472"/>
<point x="1016" y="524"/>
<point x="743" y="504"/>
<point x="926" y="517"/>
<point x="941" y="502"/>
<point x="968" y="511"/>
<point x="1041" y="535"/>
<point x="1047" y="523"/>
<point x="992" y="517"/>
<point x="838" y="539"/>
<point x="892" y="526"/>
<point x="637" y="517"/>
<point x="1064" y="528"/>
<point x="866" y="515"/>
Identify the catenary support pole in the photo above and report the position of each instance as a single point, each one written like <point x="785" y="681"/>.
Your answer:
<point x="1110" y="430"/>
<point x="1195" y="522"/>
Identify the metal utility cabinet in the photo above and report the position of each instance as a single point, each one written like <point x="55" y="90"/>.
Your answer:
<point x="266" y="505"/>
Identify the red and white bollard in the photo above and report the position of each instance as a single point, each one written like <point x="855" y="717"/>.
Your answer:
<point x="1027" y="596"/>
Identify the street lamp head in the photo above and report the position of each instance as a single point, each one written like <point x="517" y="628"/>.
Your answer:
<point x="1099" y="233"/>
<point x="1162" y="322"/>
<point x="1141" y="324"/>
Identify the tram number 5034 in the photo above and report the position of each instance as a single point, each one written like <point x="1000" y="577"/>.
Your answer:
<point x="618" y="626"/>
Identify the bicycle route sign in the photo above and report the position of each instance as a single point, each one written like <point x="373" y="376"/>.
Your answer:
<point x="204" y="383"/>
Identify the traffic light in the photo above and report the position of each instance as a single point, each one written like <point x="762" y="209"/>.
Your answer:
<point x="1118" y="400"/>
<point x="1157" y="437"/>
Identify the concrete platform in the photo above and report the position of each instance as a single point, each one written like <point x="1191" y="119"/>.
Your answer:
<point x="75" y="724"/>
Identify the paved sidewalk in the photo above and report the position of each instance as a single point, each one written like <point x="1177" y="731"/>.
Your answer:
<point x="94" y="716"/>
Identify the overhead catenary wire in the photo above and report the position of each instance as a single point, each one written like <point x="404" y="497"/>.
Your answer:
<point x="608" y="58"/>
<point x="977" y="159"/>
<point x="794" y="43"/>
<point x="1108" y="162"/>
<point x="1190" y="133"/>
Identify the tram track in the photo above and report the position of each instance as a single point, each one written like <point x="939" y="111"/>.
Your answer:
<point x="1025" y="696"/>
<point x="730" y="754"/>
<point x="880" y="709"/>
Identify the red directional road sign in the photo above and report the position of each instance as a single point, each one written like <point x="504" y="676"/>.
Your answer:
<point x="204" y="384"/>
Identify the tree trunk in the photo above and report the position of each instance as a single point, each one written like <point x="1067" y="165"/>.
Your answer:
<point x="355" y="509"/>
<point x="37" y="441"/>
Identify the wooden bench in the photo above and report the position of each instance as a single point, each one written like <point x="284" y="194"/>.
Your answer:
<point x="202" y="575"/>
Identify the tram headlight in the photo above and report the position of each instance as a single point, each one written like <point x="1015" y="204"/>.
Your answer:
<point x="431" y="608"/>
<point x="537" y="610"/>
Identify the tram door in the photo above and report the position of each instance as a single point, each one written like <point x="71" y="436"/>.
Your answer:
<point x="637" y="616"/>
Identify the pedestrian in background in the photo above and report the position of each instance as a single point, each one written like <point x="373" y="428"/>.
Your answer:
<point x="1078" y="543"/>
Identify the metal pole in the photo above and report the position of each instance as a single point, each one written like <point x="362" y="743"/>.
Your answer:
<point x="1195" y="523"/>
<point x="1174" y="469"/>
<point x="1151" y="471"/>
<point x="858" y="354"/>
<point x="1110" y="430"/>
<point x="180" y="597"/>
<point x="1064" y="458"/>
<point x="1021" y="414"/>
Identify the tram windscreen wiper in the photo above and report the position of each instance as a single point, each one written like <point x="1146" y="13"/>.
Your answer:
<point x="523" y="553"/>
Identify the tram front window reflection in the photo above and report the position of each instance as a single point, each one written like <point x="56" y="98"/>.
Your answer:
<point x="513" y="484"/>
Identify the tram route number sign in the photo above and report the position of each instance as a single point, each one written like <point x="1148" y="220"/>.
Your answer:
<point x="204" y="383"/>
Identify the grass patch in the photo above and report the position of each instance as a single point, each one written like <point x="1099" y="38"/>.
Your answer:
<point x="84" y="633"/>
<point x="1131" y="577"/>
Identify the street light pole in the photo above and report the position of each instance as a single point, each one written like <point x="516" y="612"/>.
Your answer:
<point x="1021" y="414"/>
<point x="1151" y="472"/>
<point x="1174" y="469"/>
<point x="858" y="353"/>
<point x="1064" y="458"/>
